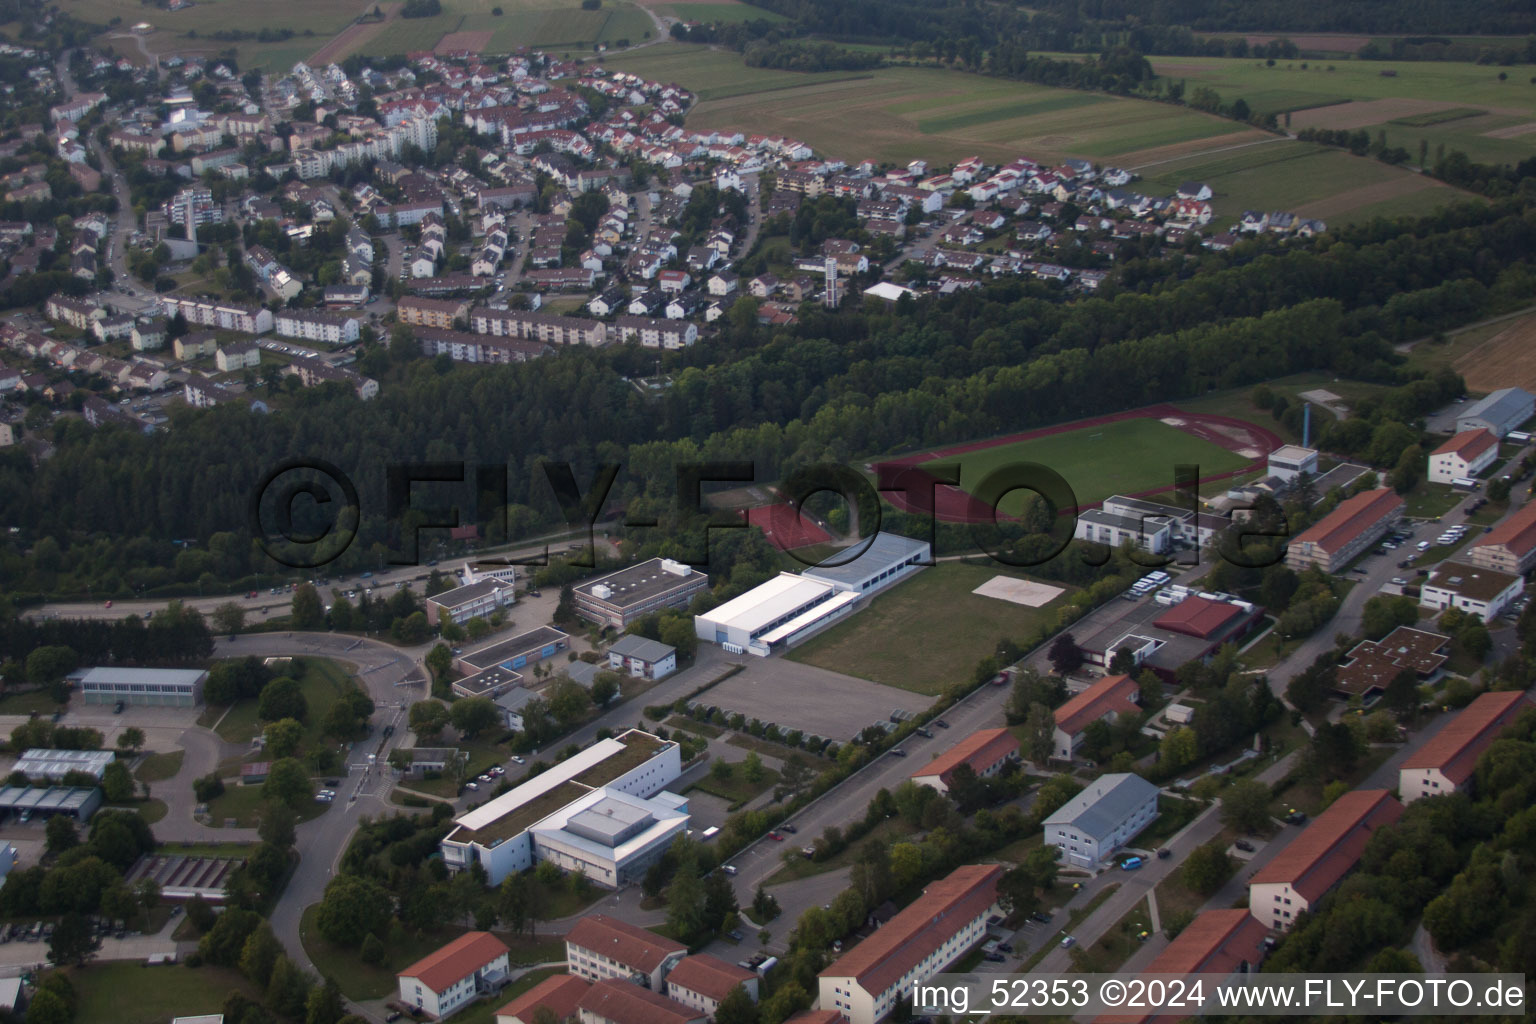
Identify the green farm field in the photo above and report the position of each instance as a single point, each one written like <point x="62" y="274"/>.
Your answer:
<point x="1123" y="457"/>
<point x="922" y="634"/>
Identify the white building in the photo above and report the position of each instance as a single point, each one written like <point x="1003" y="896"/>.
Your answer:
<point x="605" y="810"/>
<point x="153" y="686"/>
<point x="1101" y="819"/>
<point x="1464" y="456"/>
<point x="865" y="984"/>
<point x="700" y="982"/>
<point x="472" y="600"/>
<point x="39" y="763"/>
<point x="1500" y="412"/>
<point x="599" y="947"/>
<point x="1444" y="764"/>
<point x="319" y="325"/>
<point x="773" y="611"/>
<point x="1474" y="590"/>
<point x="642" y="658"/>
<point x="1319" y="858"/>
<point x="472" y="965"/>
<point x="1102" y="527"/>
<point x="1292" y="460"/>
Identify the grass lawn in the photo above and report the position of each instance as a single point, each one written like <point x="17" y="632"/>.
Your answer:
<point x="892" y="830"/>
<point x="1116" y="945"/>
<point x="1173" y="814"/>
<point x="768" y="748"/>
<point x="27" y="702"/>
<point x="1112" y="458"/>
<point x="243" y="804"/>
<point x="159" y="767"/>
<point x="736" y="790"/>
<point x="921" y="635"/>
<point x="150" y="810"/>
<point x="1175" y="899"/>
<point x="1016" y="851"/>
<point x="1306" y="794"/>
<point x="130" y="993"/>
<point x="724" y="13"/>
<point x="214" y="850"/>
<point x="686" y="724"/>
<point x="322" y="683"/>
<point x="1431" y="501"/>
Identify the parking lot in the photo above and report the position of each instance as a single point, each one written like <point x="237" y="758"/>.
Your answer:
<point x="811" y="699"/>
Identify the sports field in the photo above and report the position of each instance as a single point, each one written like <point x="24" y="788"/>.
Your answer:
<point x="926" y="632"/>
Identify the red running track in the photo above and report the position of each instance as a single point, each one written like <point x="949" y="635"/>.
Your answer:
<point x="784" y="527"/>
<point x="915" y="490"/>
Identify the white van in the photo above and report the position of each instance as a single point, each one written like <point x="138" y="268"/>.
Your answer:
<point x="1423" y="545"/>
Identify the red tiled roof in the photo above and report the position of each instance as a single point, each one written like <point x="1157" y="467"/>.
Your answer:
<point x="1518" y="532"/>
<point x="629" y="944"/>
<point x="707" y="975"/>
<point x="906" y="939"/>
<point x="1469" y="444"/>
<point x="815" y="1017"/>
<point x="1330" y="846"/>
<point x="1217" y="941"/>
<point x="623" y="1001"/>
<point x="1112" y="693"/>
<point x="979" y="749"/>
<point x="559" y="992"/>
<point x="1455" y="749"/>
<point x="462" y="957"/>
<point x="1197" y="617"/>
<point x="1351" y="518"/>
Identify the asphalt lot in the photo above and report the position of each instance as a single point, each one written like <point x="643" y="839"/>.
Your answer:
<point x="811" y="699"/>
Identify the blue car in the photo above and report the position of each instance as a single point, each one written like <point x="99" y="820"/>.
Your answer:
<point x="1130" y="864"/>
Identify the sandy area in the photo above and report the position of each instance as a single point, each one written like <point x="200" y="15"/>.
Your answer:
<point x="469" y="42"/>
<point x="1363" y="113"/>
<point x="1025" y="592"/>
<point x="349" y="39"/>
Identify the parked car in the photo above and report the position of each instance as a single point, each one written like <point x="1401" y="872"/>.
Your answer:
<point x="1131" y="863"/>
<point x="1295" y="817"/>
<point x="484" y="777"/>
<point x="518" y="760"/>
<point x="1244" y="845"/>
<point x="1005" y="947"/>
<point x="809" y="851"/>
<point x="729" y="869"/>
<point x="735" y="935"/>
<point x="1163" y="853"/>
<point x="775" y="837"/>
<point x="788" y="828"/>
<point x="925" y="731"/>
<point x="995" y="958"/>
<point x="898" y="752"/>
<point x="941" y="723"/>
<point x="1041" y="917"/>
<point x="471" y="785"/>
<point x="1068" y="942"/>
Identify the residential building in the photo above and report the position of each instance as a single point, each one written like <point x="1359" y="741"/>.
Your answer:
<point x="700" y="982"/>
<point x="558" y="993"/>
<point x="933" y="932"/>
<point x="1105" y="816"/>
<point x="1477" y="591"/>
<point x="618" y="1002"/>
<point x="1102" y="527"/>
<point x="604" y="811"/>
<point x="642" y="657"/>
<point x="986" y="752"/>
<point x="1318" y="859"/>
<point x="1222" y="942"/>
<point x="148" y="686"/>
<point x="237" y="355"/>
<point x="474" y="600"/>
<point x="470" y="966"/>
<point x="228" y="316"/>
<point x="1445" y="762"/>
<point x="1107" y="698"/>
<point x="621" y="597"/>
<point x="546" y="327"/>
<point x="599" y="947"/>
<point x="442" y="313"/>
<point x="669" y="334"/>
<point x="1499" y="412"/>
<point x="322" y="325"/>
<point x="1336" y="539"/>
<point x="194" y="346"/>
<point x="1511" y="546"/>
<point x="1464" y="456"/>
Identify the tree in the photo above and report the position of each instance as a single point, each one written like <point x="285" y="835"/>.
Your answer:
<point x="73" y="942"/>
<point x="277" y="827"/>
<point x="1335" y="750"/>
<point x="440" y="661"/>
<point x="1474" y="639"/>
<point x="229" y="617"/>
<point x="1179" y="748"/>
<point x="473" y="715"/>
<point x="752" y="768"/>
<point x="282" y="698"/>
<point x="428" y="718"/>
<point x="353" y="908"/>
<point x="259" y="954"/>
<point x="737" y="1008"/>
<point x="605" y="686"/>
<point x="325" y="1004"/>
<point x="288" y="990"/>
<point x="1016" y="892"/>
<point x="1207" y="867"/>
<point x="48" y="1007"/>
<point x="117" y="783"/>
<point x="130" y="739"/>
<point x="372" y="950"/>
<point x="685" y="904"/>
<point x="61" y="835"/>
<point x="568" y="701"/>
<point x="1245" y="805"/>
<point x="966" y="788"/>
<point x="308" y="610"/>
<point x="288" y="783"/>
<point x="1064" y="655"/>
<point x="1040" y="734"/>
<point x="719" y="899"/>
<point x="1402" y="693"/>
<point x="282" y="737"/>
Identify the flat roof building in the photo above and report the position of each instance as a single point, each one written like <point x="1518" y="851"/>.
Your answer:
<point x="41" y="763"/>
<point x="1511" y="546"/>
<point x="175" y="687"/>
<point x="987" y="751"/>
<point x="603" y="810"/>
<point x="1444" y="764"/>
<point x="1374" y="663"/>
<point x="516" y="652"/>
<point x="78" y="802"/>
<point x="1320" y="857"/>
<point x="492" y="683"/>
<point x="1292" y="460"/>
<point x="620" y="598"/>
<point x="1336" y="539"/>
<point x="1105" y="816"/>
<point x="1100" y="527"/>
<point x="745" y="621"/>
<point x="473" y="600"/>
<point x="935" y="930"/>
<point x="1476" y="591"/>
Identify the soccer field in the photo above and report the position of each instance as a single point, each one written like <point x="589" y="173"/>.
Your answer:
<point x="1125" y="457"/>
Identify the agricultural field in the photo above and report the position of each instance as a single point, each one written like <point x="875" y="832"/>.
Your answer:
<point x="1489" y="356"/>
<point x="1124" y="457"/>
<point x="190" y="32"/>
<point x="922" y="633"/>
<point x="1494" y="120"/>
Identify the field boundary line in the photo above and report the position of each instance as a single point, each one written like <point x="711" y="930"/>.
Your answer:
<point x="1209" y="152"/>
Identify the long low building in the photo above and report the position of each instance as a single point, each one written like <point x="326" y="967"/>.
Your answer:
<point x="176" y="687"/>
<point x="472" y="600"/>
<point x="1444" y="764"/>
<point x="1510" y="546"/>
<point x="939" y="927"/>
<point x="604" y="811"/>
<point x="516" y="652"/>
<point x="1225" y="942"/>
<point x="656" y="584"/>
<point x="78" y="802"/>
<point x="987" y="752"/>
<point x="1346" y="532"/>
<point x="42" y="763"/>
<point x="1315" y="861"/>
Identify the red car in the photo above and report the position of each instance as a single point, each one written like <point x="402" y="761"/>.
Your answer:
<point x="107" y="605"/>
<point x="775" y="837"/>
